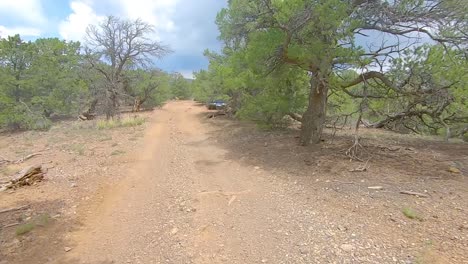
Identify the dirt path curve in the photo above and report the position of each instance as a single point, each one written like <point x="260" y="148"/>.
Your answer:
<point x="185" y="203"/>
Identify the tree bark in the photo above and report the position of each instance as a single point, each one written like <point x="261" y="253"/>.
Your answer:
<point x="313" y="119"/>
<point x="137" y="105"/>
<point x="111" y="104"/>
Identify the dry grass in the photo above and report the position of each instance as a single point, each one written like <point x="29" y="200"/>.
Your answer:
<point x="125" y="122"/>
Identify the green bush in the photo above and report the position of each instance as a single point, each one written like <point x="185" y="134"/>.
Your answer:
<point x="19" y="117"/>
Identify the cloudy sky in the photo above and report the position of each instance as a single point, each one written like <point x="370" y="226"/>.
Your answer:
<point x="185" y="25"/>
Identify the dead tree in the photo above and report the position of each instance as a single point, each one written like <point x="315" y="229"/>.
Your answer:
<point x="115" y="45"/>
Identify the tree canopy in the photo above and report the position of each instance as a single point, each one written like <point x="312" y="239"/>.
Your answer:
<point x="402" y="64"/>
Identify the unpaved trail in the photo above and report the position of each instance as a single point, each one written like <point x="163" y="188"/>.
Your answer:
<point x="194" y="197"/>
<point x="185" y="203"/>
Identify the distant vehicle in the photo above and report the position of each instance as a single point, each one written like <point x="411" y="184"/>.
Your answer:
<point x="216" y="105"/>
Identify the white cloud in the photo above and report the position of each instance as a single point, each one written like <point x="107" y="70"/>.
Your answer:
<point x="74" y="26"/>
<point x="156" y="12"/>
<point x="188" y="74"/>
<point x="23" y="31"/>
<point x="186" y="26"/>
<point x="28" y="10"/>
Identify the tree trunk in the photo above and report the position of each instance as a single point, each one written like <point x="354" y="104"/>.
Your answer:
<point x="137" y="105"/>
<point x="111" y="104"/>
<point x="313" y="119"/>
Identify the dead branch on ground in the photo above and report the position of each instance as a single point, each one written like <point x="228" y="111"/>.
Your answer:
<point x="361" y="168"/>
<point x="14" y="209"/>
<point x="414" y="193"/>
<point x="10" y="225"/>
<point x="23" y="159"/>
<point x="212" y="115"/>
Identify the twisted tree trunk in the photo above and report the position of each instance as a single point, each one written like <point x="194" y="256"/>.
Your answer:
<point x="313" y="119"/>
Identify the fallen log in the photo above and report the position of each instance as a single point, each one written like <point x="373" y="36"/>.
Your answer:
<point x="25" y="177"/>
<point x="86" y="116"/>
<point x="216" y="114"/>
<point x="295" y="116"/>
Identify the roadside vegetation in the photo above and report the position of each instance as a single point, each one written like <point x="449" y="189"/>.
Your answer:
<point x="50" y="79"/>
<point x="397" y="65"/>
<point x="125" y="122"/>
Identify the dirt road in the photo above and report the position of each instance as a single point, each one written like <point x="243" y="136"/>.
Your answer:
<point x="190" y="201"/>
<point x="186" y="203"/>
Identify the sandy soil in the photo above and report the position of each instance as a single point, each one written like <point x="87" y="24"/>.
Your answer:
<point x="198" y="190"/>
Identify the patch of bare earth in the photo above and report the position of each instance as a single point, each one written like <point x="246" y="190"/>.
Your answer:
<point x="79" y="160"/>
<point x="337" y="213"/>
<point x="199" y="190"/>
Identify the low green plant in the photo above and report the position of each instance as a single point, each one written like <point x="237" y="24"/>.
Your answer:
<point x="43" y="220"/>
<point x="117" y="152"/>
<point x="411" y="214"/>
<point x="80" y="149"/>
<point x="106" y="124"/>
<point x="132" y="122"/>
<point x="24" y="228"/>
<point x="108" y="138"/>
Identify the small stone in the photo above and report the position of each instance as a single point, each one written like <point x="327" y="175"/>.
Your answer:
<point x="347" y="247"/>
<point x="73" y="185"/>
<point x="264" y="260"/>
<point x="67" y="249"/>
<point x="174" y="230"/>
<point x="257" y="167"/>
<point x="304" y="250"/>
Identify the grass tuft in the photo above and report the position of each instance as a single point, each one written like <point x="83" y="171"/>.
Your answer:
<point x="77" y="148"/>
<point x="24" y="228"/>
<point x="126" y="122"/>
<point x="411" y="214"/>
<point x="107" y="138"/>
<point x="133" y="122"/>
<point x="43" y="220"/>
<point x="117" y="152"/>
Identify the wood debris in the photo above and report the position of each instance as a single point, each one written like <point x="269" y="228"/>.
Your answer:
<point x="454" y="170"/>
<point x="14" y="209"/>
<point x="415" y="194"/>
<point x="233" y="198"/>
<point x="27" y="176"/>
<point x="4" y="161"/>
<point x="212" y="115"/>
<point x="361" y="168"/>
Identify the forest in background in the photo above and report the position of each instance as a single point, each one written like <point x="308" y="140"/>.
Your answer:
<point x="51" y="79"/>
<point x="298" y="60"/>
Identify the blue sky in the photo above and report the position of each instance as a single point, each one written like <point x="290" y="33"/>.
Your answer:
<point x="187" y="26"/>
